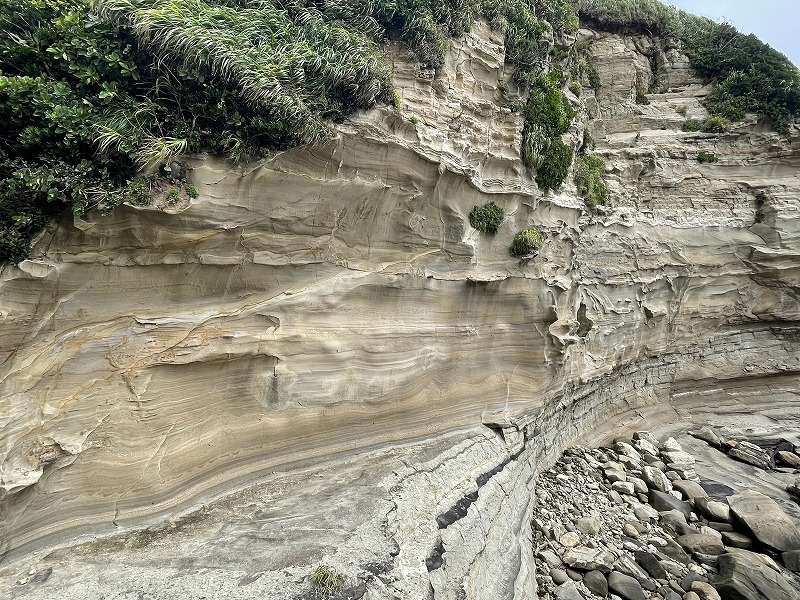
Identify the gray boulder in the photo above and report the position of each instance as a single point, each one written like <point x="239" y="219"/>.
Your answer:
<point x="751" y="454"/>
<point x="597" y="583"/>
<point x="661" y="502"/>
<point x="625" y="587"/>
<point x="674" y="521"/>
<point x="769" y="524"/>
<point x="656" y="479"/>
<point x="568" y="591"/>
<point x="790" y="459"/>
<point x="791" y="560"/>
<point x="650" y="563"/>
<point x="701" y="543"/>
<point x="689" y="489"/>
<point x="589" y="559"/>
<point x="736" y="540"/>
<point x="746" y="575"/>
<point x="713" y="510"/>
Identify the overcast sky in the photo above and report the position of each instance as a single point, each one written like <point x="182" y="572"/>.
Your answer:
<point x="777" y="22"/>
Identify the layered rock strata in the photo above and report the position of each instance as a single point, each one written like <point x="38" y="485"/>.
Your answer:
<point x="332" y="306"/>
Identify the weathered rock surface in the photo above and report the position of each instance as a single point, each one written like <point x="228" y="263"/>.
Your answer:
<point x="768" y="522"/>
<point x="319" y="361"/>
<point x="745" y="575"/>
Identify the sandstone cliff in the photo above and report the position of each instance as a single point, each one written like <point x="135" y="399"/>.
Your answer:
<point x="319" y="361"/>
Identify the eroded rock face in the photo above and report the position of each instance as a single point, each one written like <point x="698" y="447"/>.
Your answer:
<point x="333" y="303"/>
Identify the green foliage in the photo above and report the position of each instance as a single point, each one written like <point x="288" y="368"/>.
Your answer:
<point x="589" y="179"/>
<point x="138" y="191"/>
<point x="173" y="196"/>
<point x="587" y="143"/>
<point x="715" y="124"/>
<point x="486" y="218"/>
<point x="692" y="125"/>
<point x="593" y="75"/>
<point x="575" y="87"/>
<point x="548" y="115"/>
<point x="706" y="157"/>
<point x="414" y="119"/>
<point x="527" y="242"/>
<point x="641" y="97"/>
<point x="191" y="191"/>
<point x="681" y="110"/>
<point x="751" y="76"/>
<point x="327" y="581"/>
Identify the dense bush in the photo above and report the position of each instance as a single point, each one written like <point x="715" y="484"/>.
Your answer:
<point x="589" y="179"/>
<point x="715" y="124"/>
<point x="548" y="115"/>
<point x="486" y="218"/>
<point x="692" y="125"/>
<point x="527" y="241"/>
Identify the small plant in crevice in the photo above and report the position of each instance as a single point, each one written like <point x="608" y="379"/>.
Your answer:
<point x="715" y="124"/>
<point x="589" y="180"/>
<point x="414" y="120"/>
<point x="692" y="125"/>
<point x="575" y="87"/>
<point x="191" y="191"/>
<point x="527" y="241"/>
<point x="641" y="97"/>
<point x="173" y="196"/>
<point x="681" y="110"/>
<point x="587" y="143"/>
<point x="326" y="581"/>
<point x="706" y="157"/>
<point x="486" y="218"/>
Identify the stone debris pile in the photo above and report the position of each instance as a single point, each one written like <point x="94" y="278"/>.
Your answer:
<point x="634" y="522"/>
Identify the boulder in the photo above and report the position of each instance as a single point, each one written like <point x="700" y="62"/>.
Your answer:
<point x="689" y="489"/>
<point x="751" y="454"/>
<point x="794" y="488"/>
<point x="791" y="560"/>
<point x="769" y="524"/>
<point x="790" y="459"/>
<point x="597" y="583"/>
<point x="625" y="587"/>
<point x="588" y="525"/>
<point x="623" y="487"/>
<point x="558" y="576"/>
<point x="708" y="435"/>
<point x="568" y="591"/>
<point x="645" y="513"/>
<point x="746" y="575"/>
<point x="589" y="559"/>
<point x="736" y="540"/>
<point x="656" y="479"/>
<point x="661" y="502"/>
<point x="713" y="509"/>
<point x="705" y="591"/>
<point x="650" y="563"/>
<point x="674" y="522"/>
<point x="701" y="543"/>
<point x="677" y="457"/>
<point x="671" y="445"/>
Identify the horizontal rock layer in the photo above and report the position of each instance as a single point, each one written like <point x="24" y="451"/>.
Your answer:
<point x="332" y="304"/>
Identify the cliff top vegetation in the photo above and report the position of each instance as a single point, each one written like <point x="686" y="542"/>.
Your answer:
<point x="92" y="91"/>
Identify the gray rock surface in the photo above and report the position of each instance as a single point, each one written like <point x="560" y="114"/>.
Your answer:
<point x="744" y="574"/>
<point x="597" y="583"/>
<point x="625" y="587"/>
<point x="767" y="521"/>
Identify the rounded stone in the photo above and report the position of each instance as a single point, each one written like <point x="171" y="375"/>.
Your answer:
<point x="597" y="583"/>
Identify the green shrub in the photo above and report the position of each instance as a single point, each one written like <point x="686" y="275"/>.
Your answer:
<point x="527" y="242"/>
<point x="327" y="581"/>
<point x="692" y="125"/>
<point x="587" y="143"/>
<point x="715" y="124"/>
<point x="486" y="218"/>
<point x="173" y="196"/>
<point x="548" y="115"/>
<point x="641" y="97"/>
<point x="681" y="110"/>
<point x="706" y="157"/>
<point x="575" y="87"/>
<point x="589" y="180"/>
<point x="138" y="191"/>
<point x="554" y="168"/>
<point x="191" y="191"/>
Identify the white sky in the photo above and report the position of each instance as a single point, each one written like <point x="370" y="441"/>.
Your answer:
<point x="776" y="22"/>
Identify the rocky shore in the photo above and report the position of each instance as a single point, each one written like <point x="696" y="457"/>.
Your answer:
<point x="637" y="521"/>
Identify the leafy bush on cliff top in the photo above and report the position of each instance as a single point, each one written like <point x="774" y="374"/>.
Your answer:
<point x="91" y="90"/>
<point x="751" y="76"/>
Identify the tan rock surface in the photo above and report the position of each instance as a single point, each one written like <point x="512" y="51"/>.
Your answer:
<point x="325" y="333"/>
